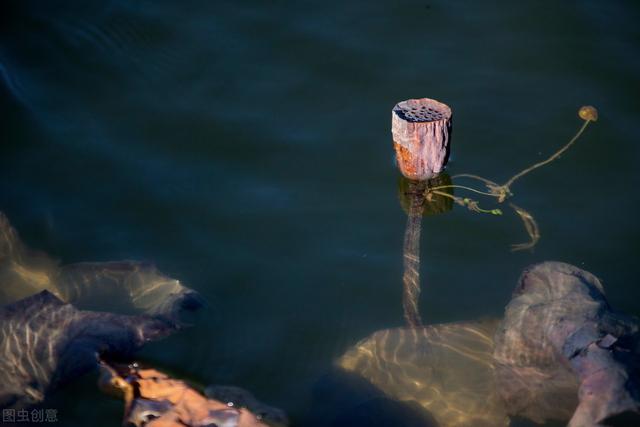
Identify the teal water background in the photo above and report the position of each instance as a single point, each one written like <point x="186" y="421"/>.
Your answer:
<point x="245" y="149"/>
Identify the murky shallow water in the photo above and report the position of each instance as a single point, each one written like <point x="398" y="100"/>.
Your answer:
<point x="245" y="149"/>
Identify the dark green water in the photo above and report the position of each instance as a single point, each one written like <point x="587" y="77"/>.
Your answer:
<point x="245" y="149"/>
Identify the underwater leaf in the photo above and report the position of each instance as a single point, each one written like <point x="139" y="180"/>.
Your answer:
<point x="153" y="399"/>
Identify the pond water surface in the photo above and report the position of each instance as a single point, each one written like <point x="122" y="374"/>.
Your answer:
<point x="245" y="149"/>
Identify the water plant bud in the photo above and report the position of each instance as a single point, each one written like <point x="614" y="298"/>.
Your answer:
<point x="588" y="113"/>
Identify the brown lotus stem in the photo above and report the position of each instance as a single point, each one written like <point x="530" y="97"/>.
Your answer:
<point x="421" y="131"/>
<point x="411" y="257"/>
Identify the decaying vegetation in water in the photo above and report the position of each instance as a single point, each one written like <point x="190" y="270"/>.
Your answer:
<point x="435" y="195"/>
<point x="55" y="319"/>
<point x="502" y="192"/>
<point x="559" y="353"/>
<point x="530" y="225"/>
<point x="54" y="327"/>
<point x="154" y="399"/>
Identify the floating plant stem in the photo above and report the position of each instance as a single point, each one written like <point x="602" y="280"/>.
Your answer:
<point x="496" y="190"/>
<point x="440" y="187"/>
<point x="470" y="204"/>
<point x="530" y="225"/>
<point x="502" y="192"/>
<point x="479" y="178"/>
<point x="419" y="192"/>
<point x="550" y="159"/>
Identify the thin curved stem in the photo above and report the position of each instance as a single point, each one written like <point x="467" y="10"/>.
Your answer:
<point x="472" y="205"/>
<point x="550" y="159"/>
<point x="479" y="178"/>
<point x="462" y="187"/>
<point x="442" y="193"/>
<point x="530" y="225"/>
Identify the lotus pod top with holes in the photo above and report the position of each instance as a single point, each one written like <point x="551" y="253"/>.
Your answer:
<point x="421" y="131"/>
